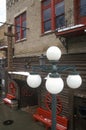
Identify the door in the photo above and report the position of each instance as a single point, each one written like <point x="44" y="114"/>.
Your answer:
<point x="26" y="96"/>
<point x="79" y="113"/>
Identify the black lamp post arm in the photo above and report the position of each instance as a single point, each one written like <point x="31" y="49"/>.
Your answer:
<point x="54" y="69"/>
<point x="64" y="68"/>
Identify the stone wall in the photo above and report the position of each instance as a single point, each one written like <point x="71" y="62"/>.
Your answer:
<point x="35" y="43"/>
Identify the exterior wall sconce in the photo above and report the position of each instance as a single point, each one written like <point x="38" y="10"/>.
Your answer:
<point x="54" y="83"/>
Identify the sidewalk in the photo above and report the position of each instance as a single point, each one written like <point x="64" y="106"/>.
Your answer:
<point x="21" y="120"/>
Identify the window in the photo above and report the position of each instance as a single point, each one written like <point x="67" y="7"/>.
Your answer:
<point x="46" y="15"/>
<point x="82" y="7"/>
<point x="59" y="11"/>
<point x="52" y="14"/>
<point x="80" y="11"/>
<point x="20" y="26"/>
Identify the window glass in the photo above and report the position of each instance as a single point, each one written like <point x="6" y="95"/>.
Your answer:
<point x="59" y="8"/>
<point x="46" y="2"/>
<point x="59" y="11"/>
<point x="52" y="15"/>
<point x="20" y="28"/>
<point x="17" y="31"/>
<point x="47" y="26"/>
<point x="24" y="29"/>
<point x="24" y="34"/>
<point x="83" y="2"/>
<point x="60" y="21"/>
<point x="47" y="14"/>
<point x="83" y="7"/>
<point x="24" y="25"/>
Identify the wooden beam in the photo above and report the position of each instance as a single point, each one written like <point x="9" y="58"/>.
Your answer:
<point x="10" y="36"/>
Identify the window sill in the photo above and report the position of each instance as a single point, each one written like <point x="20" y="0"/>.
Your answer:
<point x="47" y="32"/>
<point x="24" y="39"/>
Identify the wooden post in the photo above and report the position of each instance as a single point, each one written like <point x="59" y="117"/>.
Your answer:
<point x="10" y="49"/>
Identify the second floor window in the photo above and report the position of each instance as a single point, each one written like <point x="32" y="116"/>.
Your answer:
<point x="20" y="26"/>
<point x="59" y="11"/>
<point x="80" y="11"/>
<point x="83" y="7"/>
<point x="52" y="15"/>
<point x="46" y="15"/>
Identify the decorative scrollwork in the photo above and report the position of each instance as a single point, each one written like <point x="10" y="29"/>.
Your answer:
<point x="48" y="102"/>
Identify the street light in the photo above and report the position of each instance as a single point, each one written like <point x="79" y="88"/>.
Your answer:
<point x="54" y="83"/>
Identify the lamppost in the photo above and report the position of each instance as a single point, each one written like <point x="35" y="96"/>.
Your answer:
<point x="54" y="83"/>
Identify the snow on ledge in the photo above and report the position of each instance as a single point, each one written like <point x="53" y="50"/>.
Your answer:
<point x="3" y="47"/>
<point x="70" y="27"/>
<point x="19" y="73"/>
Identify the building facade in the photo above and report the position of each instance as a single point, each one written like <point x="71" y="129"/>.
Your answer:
<point x="3" y="42"/>
<point x="3" y="55"/>
<point x="37" y="25"/>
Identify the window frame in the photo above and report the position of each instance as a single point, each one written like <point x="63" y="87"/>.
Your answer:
<point x="19" y="30"/>
<point x="53" y="15"/>
<point x="43" y="7"/>
<point x="58" y="2"/>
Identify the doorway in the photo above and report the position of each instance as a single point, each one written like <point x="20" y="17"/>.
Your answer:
<point x="79" y="113"/>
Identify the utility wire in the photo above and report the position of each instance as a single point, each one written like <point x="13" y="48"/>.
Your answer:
<point x="13" y="25"/>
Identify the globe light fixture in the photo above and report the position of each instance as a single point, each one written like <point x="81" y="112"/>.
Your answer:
<point x="34" y="80"/>
<point x="53" y="53"/>
<point x="54" y="83"/>
<point x="74" y="81"/>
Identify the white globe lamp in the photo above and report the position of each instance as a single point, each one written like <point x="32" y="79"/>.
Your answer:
<point x="74" y="81"/>
<point x="34" y="80"/>
<point x="54" y="85"/>
<point x="53" y="53"/>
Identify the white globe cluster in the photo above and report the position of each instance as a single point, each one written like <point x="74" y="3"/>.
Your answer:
<point x="54" y="85"/>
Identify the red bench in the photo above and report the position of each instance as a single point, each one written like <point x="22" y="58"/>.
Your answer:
<point x="44" y="116"/>
<point x="8" y="99"/>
